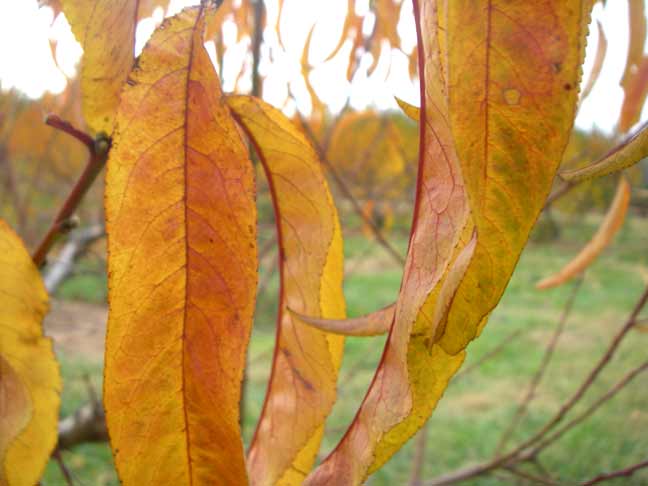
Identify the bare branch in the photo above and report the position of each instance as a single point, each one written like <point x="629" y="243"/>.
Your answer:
<point x="622" y="473"/>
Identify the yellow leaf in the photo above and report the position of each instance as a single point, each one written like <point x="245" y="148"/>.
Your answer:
<point x="181" y="224"/>
<point x="302" y="387"/>
<point x="106" y="31"/>
<point x="625" y="155"/>
<point x="610" y="225"/>
<point x="411" y="378"/>
<point x="30" y="382"/>
<point x="411" y="111"/>
<point x="514" y="70"/>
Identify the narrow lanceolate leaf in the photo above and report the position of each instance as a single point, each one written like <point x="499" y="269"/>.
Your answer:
<point x="411" y="378"/>
<point x="601" y="50"/>
<point x="621" y="157"/>
<point x="411" y="111"/>
<point x="373" y="324"/>
<point x="514" y="71"/>
<point x="635" y="76"/>
<point x="106" y="31"/>
<point x="302" y="386"/>
<point x="605" y="234"/>
<point x="30" y="382"/>
<point x="182" y="269"/>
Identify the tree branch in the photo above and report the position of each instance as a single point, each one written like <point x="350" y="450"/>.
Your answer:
<point x="98" y="149"/>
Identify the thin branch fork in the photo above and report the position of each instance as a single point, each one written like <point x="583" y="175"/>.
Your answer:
<point x="98" y="150"/>
<point x="523" y="452"/>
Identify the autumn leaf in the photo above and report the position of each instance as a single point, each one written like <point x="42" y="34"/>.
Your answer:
<point x="635" y="76"/>
<point x="609" y="227"/>
<point x="412" y="112"/>
<point x="30" y="382"/>
<point x="106" y="31"/>
<point x="625" y="155"/>
<point x="373" y="324"/>
<point x="181" y="221"/>
<point x="601" y="51"/>
<point x="302" y="387"/>
<point x="411" y="378"/>
<point x="514" y="71"/>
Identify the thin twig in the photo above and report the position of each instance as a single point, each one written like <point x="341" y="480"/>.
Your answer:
<point x="531" y="477"/>
<point x="418" y="463"/>
<point x="621" y="473"/>
<point x="611" y="393"/>
<point x="522" y="409"/>
<point x="98" y="149"/>
<point x="64" y="470"/>
<point x="521" y="451"/>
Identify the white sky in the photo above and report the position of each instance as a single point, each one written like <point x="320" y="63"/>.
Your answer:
<point x="26" y="63"/>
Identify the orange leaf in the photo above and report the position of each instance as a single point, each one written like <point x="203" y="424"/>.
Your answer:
<point x="373" y="324"/>
<point x="605" y="234"/>
<point x="601" y="50"/>
<point x="30" y="382"/>
<point x="302" y="386"/>
<point x="181" y="222"/>
<point x="106" y="31"/>
<point x="411" y="378"/>
<point x="624" y="155"/>
<point x="514" y="69"/>
<point x="635" y="76"/>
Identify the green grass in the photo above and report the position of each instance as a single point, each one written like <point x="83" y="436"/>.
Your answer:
<point x="468" y="422"/>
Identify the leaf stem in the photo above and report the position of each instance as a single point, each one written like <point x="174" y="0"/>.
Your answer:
<point x="98" y="149"/>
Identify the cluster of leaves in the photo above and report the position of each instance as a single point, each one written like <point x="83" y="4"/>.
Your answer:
<point x="499" y="90"/>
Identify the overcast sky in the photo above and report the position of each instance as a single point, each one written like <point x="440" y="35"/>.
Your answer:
<point x="26" y="63"/>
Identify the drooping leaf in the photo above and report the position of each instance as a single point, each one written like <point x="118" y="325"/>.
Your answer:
<point x="601" y="51"/>
<point x="411" y="378"/>
<point x="514" y="71"/>
<point x="30" y="382"/>
<point x="604" y="235"/>
<point x="106" y="31"/>
<point x="181" y="222"/>
<point x="411" y="111"/>
<point x="635" y="76"/>
<point x="625" y="155"/>
<point x="302" y="387"/>
<point x="373" y="324"/>
<point x="635" y="93"/>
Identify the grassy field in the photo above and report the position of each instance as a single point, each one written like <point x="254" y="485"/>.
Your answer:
<point x="476" y="408"/>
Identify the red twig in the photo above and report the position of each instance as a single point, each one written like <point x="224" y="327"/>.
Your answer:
<point x="621" y="473"/>
<point x="98" y="149"/>
<point x="64" y="470"/>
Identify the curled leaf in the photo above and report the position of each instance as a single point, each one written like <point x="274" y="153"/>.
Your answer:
<point x="411" y="111"/>
<point x="604" y="235"/>
<point x="635" y="76"/>
<point x="624" y="155"/>
<point x="373" y="324"/>
<point x="412" y="377"/>
<point x="601" y="50"/>
<point x="302" y="387"/>
<point x="30" y="382"/>
<point x="181" y="219"/>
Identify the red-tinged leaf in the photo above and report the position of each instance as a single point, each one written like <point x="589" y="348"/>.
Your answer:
<point x="302" y="386"/>
<point x="373" y="324"/>
<point x="514" y="69"/>
<point x="410" y="378"/>
<point x="625" y="155"/>
<point x="30" y="383"/>
<point x="635" y="93"/>
<point x="610" y="226"/>
<point x="181" y="222"/>
<point x="601" y="51"/>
